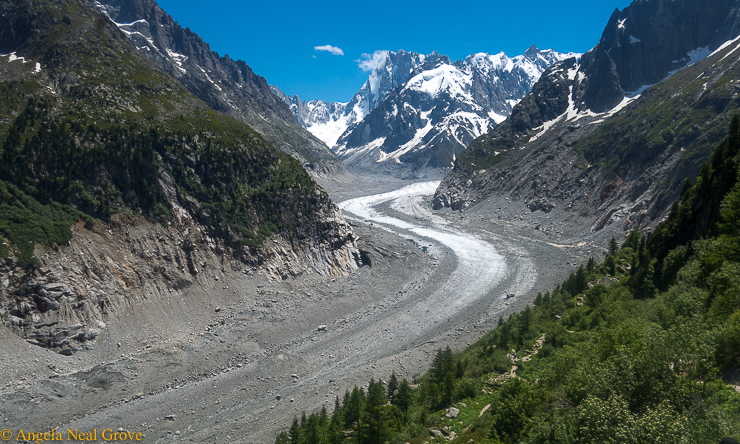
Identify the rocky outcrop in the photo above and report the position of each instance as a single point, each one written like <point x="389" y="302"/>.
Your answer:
<point x="229" y="86"/>
<point x="65" y="303"/>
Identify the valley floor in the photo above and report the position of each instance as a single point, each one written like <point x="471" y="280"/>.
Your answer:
<point x="249" y="353"/>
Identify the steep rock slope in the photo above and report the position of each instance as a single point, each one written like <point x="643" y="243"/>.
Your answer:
<point x="229" y="86"/>
<point x="93" y="134"/>
<point x="594" y="141"/>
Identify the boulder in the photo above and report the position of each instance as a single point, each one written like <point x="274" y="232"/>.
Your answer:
<point x="452" y="412"/>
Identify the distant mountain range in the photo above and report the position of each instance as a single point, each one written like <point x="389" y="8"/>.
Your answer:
<point x="422" y="110"/>
<point x="228" y="86"/>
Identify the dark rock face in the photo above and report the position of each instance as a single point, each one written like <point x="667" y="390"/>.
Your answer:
<point x="229" y="86"/>
<point x="642" y="44"/>
<point x="649" y="39"/>
<point x="15" y="25"/>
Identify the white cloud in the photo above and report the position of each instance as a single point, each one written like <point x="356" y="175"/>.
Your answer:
<point x="368" y="62"/>
<point x="330" y="49"/>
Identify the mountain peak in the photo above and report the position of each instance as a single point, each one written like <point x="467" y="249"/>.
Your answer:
<point x="531" y="52"/>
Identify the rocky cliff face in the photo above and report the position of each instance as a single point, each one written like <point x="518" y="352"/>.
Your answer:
<point x="593" y="142"/>
<point x="65" y="302"/>
<point x="229" y="86"/>
<point x="162" y="192"/>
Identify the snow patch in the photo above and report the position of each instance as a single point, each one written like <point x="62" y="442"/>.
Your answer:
<point x="415" y="141"/>
<point x="724" y="45"/>
<point x="729" y="53"/>
<point x="620" y="23"/>
<point x="130" y="33"/>
<point x="573" y="72"/>
<point x="498" y="118"/>
<point x="12" y="57"/>
<point x="444" y="78"/>
<point x="179" y="59"/>
<point x="692" y="57"/>
<point x="132" y="23"/>
<point x="329" y="132"/>
<point x="545" y="128"/>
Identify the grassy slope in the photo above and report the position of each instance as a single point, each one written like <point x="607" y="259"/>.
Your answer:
<point x="104" y="141"/>
<point x="633" y="348"/>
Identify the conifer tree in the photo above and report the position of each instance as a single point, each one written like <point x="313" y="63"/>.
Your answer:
<point x="392" y="386"/>
<point x="613" y="247"/>
<point x="374" y="428"/>
<point x="295" y="430"/>
<point x="403" y="397"/>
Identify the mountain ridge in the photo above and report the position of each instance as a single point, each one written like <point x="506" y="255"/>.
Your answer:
<point x="229" y="86"/>
<point x="579" y="145"/>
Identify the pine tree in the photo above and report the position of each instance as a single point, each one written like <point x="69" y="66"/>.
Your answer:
<point x="611" y="265"/>
<point x="392" y="386"/>
<point x="313" y="430"/>
<point x="591" y="265"/>
<point x="374" y="427"/>
<point x="353" y="409"/>
<point x="448" y="387"/>
<point x="323" y="417"/>
<point x="335" y="434"/>
<point x="403" y="397"/>
<point x="613" y="247"/>
<point x="580" y="281"/>
<point x="295" y="430"/>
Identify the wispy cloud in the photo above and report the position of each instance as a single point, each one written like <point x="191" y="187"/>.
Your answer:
<point x="330" y="49"/>
<point x="368" y="62"/>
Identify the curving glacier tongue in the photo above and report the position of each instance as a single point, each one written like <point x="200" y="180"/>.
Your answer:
<point x="480" y="266"/>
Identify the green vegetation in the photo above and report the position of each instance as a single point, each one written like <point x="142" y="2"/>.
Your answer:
<point x="120" y="135"/>
<point x="628" y="351"/>
<point x="68" y="168"/>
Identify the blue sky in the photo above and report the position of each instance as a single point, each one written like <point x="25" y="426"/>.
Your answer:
<point x="277" y="38"/>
